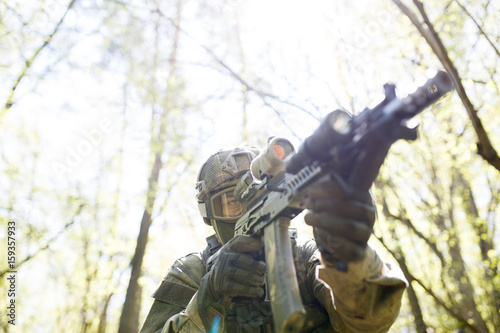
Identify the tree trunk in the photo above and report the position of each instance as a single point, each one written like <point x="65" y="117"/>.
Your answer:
<point x="129" y="320"/>
<point x="103" y="318"/>
<point x="398" y="254"/>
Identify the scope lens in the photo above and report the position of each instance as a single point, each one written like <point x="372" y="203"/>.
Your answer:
<point x="340" y="122"/>
<point x="279" y="151"/>
<point x="282" y="148"/>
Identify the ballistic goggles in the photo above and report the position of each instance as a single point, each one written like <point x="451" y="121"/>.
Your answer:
<point x="223" y="206"/>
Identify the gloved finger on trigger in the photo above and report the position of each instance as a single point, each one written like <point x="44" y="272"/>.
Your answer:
<point x="326" y="189"/>
<point x="347" y="228"/>
<point x="348" y="209"/>
<point x="341" y="248"/>
<point x="333" y="189"/>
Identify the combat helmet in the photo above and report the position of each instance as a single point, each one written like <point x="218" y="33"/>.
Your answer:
<point x="215" y="185"/>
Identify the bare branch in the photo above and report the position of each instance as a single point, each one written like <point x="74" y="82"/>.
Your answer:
<point x="481" y="31"/>
<point x="248" y="86"/>
<point x="484" y="146"/>
<point x="410" y="277"/>
<point x="29" y="63"/>
<point x="403" y="218"/>
<point x="47" y="244"/>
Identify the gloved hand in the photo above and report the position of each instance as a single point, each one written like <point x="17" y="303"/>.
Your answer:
<point x="232" y="272"/>
<point x="342" y="220"/>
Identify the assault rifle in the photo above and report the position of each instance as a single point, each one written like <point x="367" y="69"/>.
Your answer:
<point x="352" y="149"/>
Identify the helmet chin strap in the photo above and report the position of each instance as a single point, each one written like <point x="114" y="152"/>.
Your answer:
<point x="223" y="230"/>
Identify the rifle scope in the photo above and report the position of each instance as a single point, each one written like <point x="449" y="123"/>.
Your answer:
<point x="271" y="160"/>
<point x="334" y="129"/>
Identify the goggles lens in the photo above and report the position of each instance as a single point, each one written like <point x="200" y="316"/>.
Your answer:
<point x="225" y="207"/>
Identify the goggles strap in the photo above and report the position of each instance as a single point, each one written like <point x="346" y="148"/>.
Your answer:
<point x="202" y="206"/>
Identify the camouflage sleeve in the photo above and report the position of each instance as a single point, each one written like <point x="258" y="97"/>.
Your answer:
<point x="366" y="298"/>
<point x="186" y="321"/>
<point x="174" y="307"/>
<point x="165" y="317"/>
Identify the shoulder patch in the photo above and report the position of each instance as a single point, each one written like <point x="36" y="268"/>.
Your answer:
<point x="182" y="280"/>
<point x="174" y="293"/>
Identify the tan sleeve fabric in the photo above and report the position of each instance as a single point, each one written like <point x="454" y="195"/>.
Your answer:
<point x="366" y="298"/>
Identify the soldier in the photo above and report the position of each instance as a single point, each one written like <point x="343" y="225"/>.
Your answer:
<point x="220" y="289"/>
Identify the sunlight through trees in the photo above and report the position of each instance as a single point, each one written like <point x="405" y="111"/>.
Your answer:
<point x="109" y="107"/>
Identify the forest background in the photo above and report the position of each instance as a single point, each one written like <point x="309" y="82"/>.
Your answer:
<point x="109" y="107"/>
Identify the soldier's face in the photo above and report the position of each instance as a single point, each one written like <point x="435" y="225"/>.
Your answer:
<point x="230" y="207"/>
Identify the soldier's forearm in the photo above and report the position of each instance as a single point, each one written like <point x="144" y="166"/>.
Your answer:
<point x="367" y="296"/>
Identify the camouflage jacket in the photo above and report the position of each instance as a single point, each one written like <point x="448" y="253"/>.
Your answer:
<point x="366" y="298"/>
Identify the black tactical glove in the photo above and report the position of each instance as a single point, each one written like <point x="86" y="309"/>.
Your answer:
<point x="342" y="221"/>
<point x="232" y="271"/>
